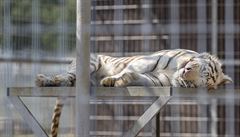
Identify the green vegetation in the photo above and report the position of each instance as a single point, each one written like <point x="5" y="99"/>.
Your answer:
<point x="51" y="13"/>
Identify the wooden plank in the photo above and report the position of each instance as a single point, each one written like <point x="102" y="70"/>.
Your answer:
<point x="147" y="116"/>
<point x="28" y="117"/>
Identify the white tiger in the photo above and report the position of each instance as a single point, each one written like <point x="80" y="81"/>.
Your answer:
<point x="177" y="68"/>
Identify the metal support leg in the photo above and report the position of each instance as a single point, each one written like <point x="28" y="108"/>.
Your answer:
<point x="28" y="117"/>
<point x="147" y="116"/>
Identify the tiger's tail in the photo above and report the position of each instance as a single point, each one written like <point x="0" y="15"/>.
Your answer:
<point x="56" y="115"/>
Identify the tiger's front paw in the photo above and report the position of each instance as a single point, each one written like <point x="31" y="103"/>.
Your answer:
<point x="42" y="80"/>
<point x="61" y="80"/>
<point x="108" y="82"/>
<point x="125" y="80"/>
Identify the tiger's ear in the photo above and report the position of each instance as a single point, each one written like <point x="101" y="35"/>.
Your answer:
<point x="226" y="79"/>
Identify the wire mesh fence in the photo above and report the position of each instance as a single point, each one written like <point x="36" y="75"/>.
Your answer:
<point x="36" y="31"/>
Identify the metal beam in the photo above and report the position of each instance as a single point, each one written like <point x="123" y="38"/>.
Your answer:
<point x="97" y="92"/>
<point x="138" y="91"/>
<point x="29" y="60"/>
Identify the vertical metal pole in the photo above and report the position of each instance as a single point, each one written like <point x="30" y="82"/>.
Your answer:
<point x="229" y="39"/>
<point x="202" y="109"/>
<point x="175" y="43"/>
<point x="35" y="38"/>
<point x="7" y="29"/>
<point x="82" y="73"/>
<point x="35" y="28"/>
<point x="213" y="110"/>
<point x="174" y="21"/>
<point x="146" y="27"/>
<point x="229" y="55"/>
<point x="7" y="52"/>
<point x="214" y="27"/>
<point x="118" y="28"/>
<point x="201" y="25"/>
<point x="62" y="33"/>
<point x="35" y="49"/>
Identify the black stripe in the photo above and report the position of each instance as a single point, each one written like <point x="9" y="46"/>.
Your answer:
<point x="195" y="86"/>
<point x="72" y="74"/>
<point x="106" y="59"/>
<point x="171" y="59"/>
<point x="59" y="104"/>
<point x="55" y="126"/>
<point x="182" y="84"/>
<point x="120" y="61"/>
<point x="157" y="79"/>
<point x="57" y="110"/>
<point x="147" y="75"/>
<point x="212" y="70"/>
<point x="167" y="78"/>
<point x="157" y="63"/>
<point x="113" y="59"/>
<point x="98" y="64"/>
<point x="215" y="68"/>
<point x="118" y="65"/>
<point x="98" y="67"/>
<point x="210" y="65"/>
<point x="92" y="64"/>
<point x="213" y="78"/>
<point x="130" y="59"/>
<point x="185" y="63"/>
<point x="125" y="59"/>
<point x="160" y="56"/>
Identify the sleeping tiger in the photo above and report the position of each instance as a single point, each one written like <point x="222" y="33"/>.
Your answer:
<point x="177" y="68"/>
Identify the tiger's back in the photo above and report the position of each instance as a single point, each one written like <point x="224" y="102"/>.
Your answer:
<point x="164" y="61"/>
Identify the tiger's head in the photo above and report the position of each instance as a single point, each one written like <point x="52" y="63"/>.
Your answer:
<point x="203" y="70"/>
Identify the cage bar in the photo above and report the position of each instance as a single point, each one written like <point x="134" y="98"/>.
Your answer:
<point x="82" y="75"/>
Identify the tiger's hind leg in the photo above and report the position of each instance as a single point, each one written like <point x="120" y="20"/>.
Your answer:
<point x="67" y="79"/>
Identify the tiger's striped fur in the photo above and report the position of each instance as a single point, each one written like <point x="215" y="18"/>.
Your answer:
<point x="178" y="68"/>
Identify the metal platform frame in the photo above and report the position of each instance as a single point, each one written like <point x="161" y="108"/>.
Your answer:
<point x="160" y="95"/>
